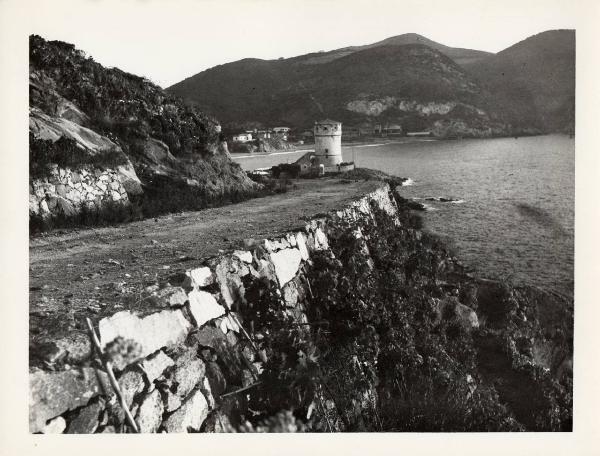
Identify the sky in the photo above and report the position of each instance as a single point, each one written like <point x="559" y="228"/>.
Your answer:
<point x="168" y="41"/>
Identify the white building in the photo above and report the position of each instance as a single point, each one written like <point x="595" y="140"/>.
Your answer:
<point x="281" y="132"/>
<point x="242" y="137"/>
<point x="328" y="143"/>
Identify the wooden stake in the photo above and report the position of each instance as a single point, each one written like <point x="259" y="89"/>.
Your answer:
<point x="111" y="376"/>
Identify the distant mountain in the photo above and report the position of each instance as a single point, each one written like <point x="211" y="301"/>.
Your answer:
<point x="407" y="80"/>
<point x="394" y="81"/>
<point x="534" y="80"/>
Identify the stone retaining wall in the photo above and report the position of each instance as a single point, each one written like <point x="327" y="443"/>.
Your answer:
<point x="65" y="192"/>
<point x="176" y="362"/>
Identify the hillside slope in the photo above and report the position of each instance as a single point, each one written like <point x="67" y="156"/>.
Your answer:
<point x="84" y="116"/>
<point x="407" y="80"/>
<point x="413" y="84"/>
<point x="534" y="80"/>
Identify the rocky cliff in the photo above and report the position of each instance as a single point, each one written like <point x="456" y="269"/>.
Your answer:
<point x="354" y="321"/>
<point x="131" y="139"/>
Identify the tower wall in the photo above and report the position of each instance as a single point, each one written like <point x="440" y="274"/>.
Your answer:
<point x="328" y="143"/>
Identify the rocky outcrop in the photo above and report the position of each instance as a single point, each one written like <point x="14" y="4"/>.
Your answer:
<point x="66" y="191"/>
<point x="131" y="137"/>
<point x="375" y="107"/>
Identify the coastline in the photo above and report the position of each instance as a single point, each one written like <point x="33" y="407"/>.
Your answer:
<point x="450" y="322"/>
<point x="345" y="145"/>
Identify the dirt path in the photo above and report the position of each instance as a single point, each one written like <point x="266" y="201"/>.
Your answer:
<point x="86" y="272"/>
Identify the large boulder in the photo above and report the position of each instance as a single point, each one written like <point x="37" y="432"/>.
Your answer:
<point x="53" y="393"/>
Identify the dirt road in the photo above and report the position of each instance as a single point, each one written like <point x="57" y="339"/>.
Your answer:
<point x="80" y="273"/>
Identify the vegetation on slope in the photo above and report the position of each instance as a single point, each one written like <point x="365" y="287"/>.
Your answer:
<point x="288" y="91"/>
<point x="389" y="346"/>
<point x="175" y="148"/>
<point x="534" y="80"/>
<point x="519" y="92"/>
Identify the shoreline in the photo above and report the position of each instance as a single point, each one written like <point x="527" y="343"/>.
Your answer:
<point x="375" y="143"/>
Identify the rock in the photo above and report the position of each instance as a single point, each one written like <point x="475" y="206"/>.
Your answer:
<point x="87" y="420"/>
<point x="290" y="294"/>
<point x="190" y="416"/>
<point x="149" y="416"/>
<point x="53" y="393"/>
<point x="278" y="244"/>
<point x="61" y="190"/>
<point x="155" y="366"/>
<point x="321" y="242"/>
<point x="228" y="323"/>
<point x="204" y="307"/>
<point x="171" y="401"/>
<point x="66" y="207"/>
<point x="230" y="361"/>
<point x="229" y="271"/>
<point x="216" y="379"/>
<point x="55" y="426"/>
<point x="267" y="270"/>
<point x="244" y="256"/>
<point x="187" y="375"/>
<point x="301" y="242"/>
<point x="131" y="383"/>
<point x="74" y="348"/>
<point x="467" y="316"/>
<point x="129" y="179"/>
<point x="199" y="277"/>
<point x="158" y="330"/>
<point x="286" y="264"/>
<point x="171" y="296"/>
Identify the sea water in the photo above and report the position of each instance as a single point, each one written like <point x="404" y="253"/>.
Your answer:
<point x="512" y="214"/>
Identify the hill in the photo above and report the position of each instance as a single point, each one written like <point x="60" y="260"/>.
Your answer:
<point x="411" y="84"/>
<point x="534" y="80"/>
<point x="407" y="80"/>
<point x="123" y="131"/>
<point x="459" y="55"/>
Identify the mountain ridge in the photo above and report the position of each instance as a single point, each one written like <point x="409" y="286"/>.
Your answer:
<point x="263" y="92"/>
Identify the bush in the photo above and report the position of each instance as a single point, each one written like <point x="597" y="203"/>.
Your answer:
<point x="65" y="153"/>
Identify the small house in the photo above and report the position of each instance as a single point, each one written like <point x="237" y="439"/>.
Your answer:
<point x="242" y="137"/>
<point x="281" y="132"/>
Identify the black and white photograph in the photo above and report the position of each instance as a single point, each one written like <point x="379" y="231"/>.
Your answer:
<point x="301" y="217"/>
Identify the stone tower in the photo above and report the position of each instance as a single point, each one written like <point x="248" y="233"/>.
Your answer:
<point x="328" y="143"/>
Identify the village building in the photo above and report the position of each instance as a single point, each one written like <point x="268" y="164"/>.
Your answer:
<point x="263" y="134"/>
<point x="393" y="130"/>
<point x="281" y="132"/>
<point x="242" y="137"/>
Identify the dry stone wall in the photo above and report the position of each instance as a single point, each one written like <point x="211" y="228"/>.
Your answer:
<point x="65" y="192"/>
<point x="177" y="363"/>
